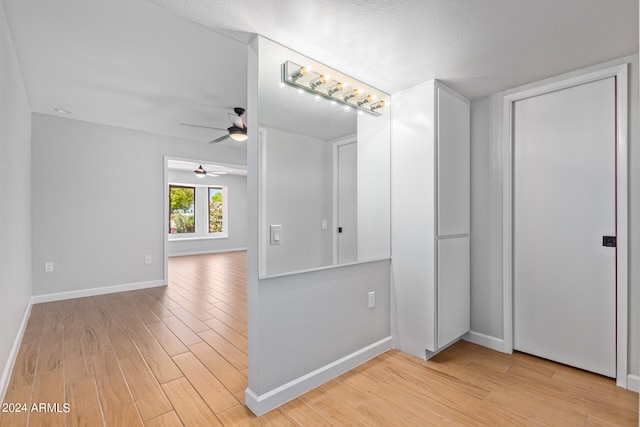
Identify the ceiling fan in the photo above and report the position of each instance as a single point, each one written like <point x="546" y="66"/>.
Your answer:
<point x="237" y="131"/>
<point x="201" y="172"/>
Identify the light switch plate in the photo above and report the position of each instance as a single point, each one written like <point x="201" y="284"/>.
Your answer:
<point x="371" y="299"/>
<point x="276" y="234"/>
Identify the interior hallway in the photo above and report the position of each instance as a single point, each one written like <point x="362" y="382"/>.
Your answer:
<point x="177" y="356"/>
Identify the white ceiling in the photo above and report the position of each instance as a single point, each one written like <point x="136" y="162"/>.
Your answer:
<point x="139" y="65"/>
<point x="127" y="63"/>
<point x="212" y="168"/>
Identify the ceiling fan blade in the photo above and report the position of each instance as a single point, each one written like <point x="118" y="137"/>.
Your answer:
<point x="201" y="126"/>
<point x="222" y="138"/>
<point x="236" y="120"/>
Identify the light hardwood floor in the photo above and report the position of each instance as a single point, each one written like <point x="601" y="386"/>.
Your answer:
<point x="177" y="356"/>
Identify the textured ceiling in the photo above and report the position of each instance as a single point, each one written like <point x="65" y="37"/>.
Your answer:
<point x="140" y="65"/>
<point x="475" y="47"/>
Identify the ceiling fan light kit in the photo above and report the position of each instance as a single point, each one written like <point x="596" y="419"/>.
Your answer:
<point x="322" y="85"/>
<point x="237" y="131"/>
<point x="200" y="172"/>
<point x="238" y="134"/>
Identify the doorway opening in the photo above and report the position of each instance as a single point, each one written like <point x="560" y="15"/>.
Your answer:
<point x="203" y="212"/>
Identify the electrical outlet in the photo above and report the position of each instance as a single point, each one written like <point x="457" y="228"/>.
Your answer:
<point x="148" y="259"/>
<point x="48" y="267"/>
<point x="372" y="299"/>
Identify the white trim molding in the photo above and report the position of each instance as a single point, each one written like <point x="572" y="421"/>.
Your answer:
<point x="336" y="144"/>
<point x="165" y="210"/>
<point x="620" y="72"/>
<point x="633" y="383"/>
<point x="493" y="343"/>
<point x="263" y="138"/>
<point x="13" y="354"/>
<point x="264" y="403"/>
<point x="59" y="296"/>
<point x="219" y="251"/>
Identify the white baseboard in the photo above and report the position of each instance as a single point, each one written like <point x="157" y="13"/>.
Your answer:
<point x="35" y="299"/>
<point x="264" y="403"/>
<point x="13" y="354"/>
<point x="59" y="296"/>
<point x="633" y="383"/>
<point x="493" y="343"/>
<point x="219" y="251"/>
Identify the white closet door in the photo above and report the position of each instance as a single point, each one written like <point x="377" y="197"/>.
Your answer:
<point x="564" y="203"/>
<point x="454" y="166"/>
<point x="454" y="299"/>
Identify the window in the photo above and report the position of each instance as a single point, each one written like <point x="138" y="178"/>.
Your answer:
<point x="197" y="212"/>
<point x="182" y="204"/>
<point x="216" y="213"/>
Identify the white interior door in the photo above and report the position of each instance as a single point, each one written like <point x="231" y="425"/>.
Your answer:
<point x="347" y="203"/>
<point x="564" y="279"/>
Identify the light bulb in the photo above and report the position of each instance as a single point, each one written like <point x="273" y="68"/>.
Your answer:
<point x="378" y="105"/>
<point x="302" y="71"/>
<point x="337" y="88"/>
<point x="238" y="137"/>
<point x="321" y="80"/>
<point x="351" y="95"/>
<point x="364" y="100"/>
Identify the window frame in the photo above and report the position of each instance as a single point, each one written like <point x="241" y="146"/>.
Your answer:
<point x="223" y="190"/>
<point x="195" y="209"/>
<point x="201" y="213"/>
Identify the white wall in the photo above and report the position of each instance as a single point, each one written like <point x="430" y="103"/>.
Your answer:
<point x="310" y="320"/>
<point x="15" y="202"/>
<point x="486" y="211"/>
<point x="299" y="197"/>
<point x="486" y="224"/>
<point x="307" y="328"/>
<point x="236" y="213"/>
<point x="98" y="202"/>
<point x="374" y="186"/>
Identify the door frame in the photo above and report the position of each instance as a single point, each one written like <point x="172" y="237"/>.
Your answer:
<point x="351" y="139"/>
<point x="621" y="74"/>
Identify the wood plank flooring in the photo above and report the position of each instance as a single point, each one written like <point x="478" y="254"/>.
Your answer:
<point x="176" y="355"/>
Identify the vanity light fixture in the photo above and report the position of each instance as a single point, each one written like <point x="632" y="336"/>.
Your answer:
<point x="336" y="90"/>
